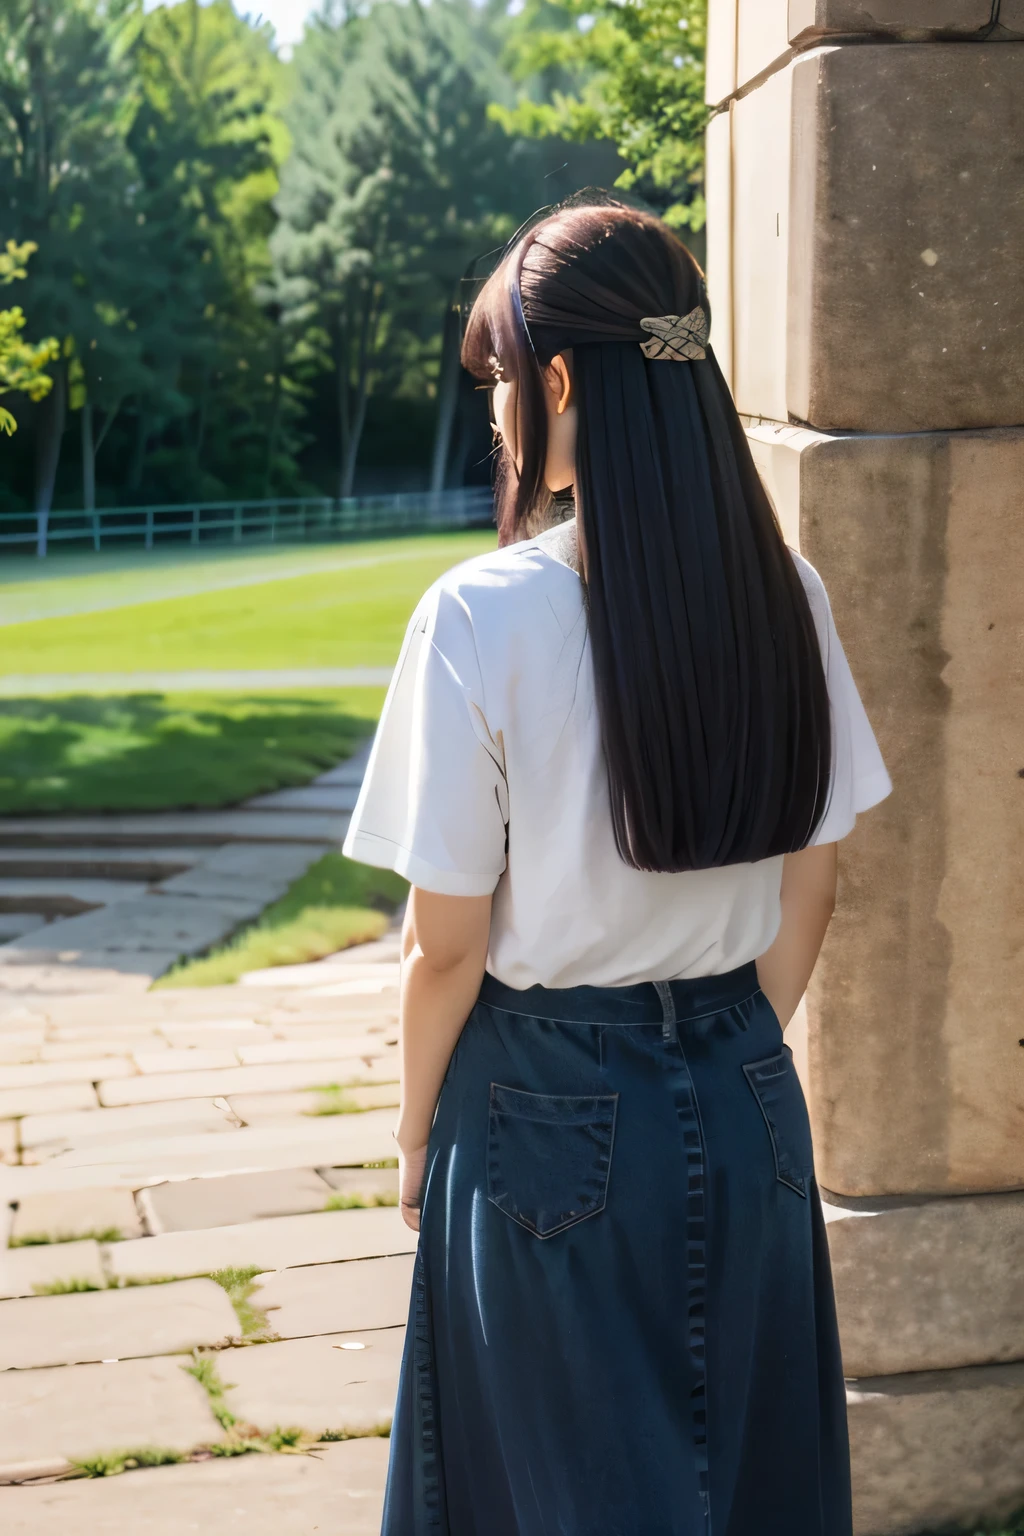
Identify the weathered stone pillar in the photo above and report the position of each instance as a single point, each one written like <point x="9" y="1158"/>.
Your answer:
<point x="864" y="265"/>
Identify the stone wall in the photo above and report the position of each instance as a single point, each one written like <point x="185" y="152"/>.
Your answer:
<point x="864" y="252"/>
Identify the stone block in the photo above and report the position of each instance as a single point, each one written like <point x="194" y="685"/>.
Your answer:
<point x="199" y="1059"/>
<point x="229" y="1032"/>
<point x="371" y="1185"/>
<point x="48" y="1136"/>
<point x="8" y="1141"/>
<point x="22" y="1270"/>
<point x="278" y="1242"/>
<point x="352" y="1140"/>
<point x="323" y="1047"/>
<point x="267" y="1108"/>
<point x="219" y="1081"/>
<point x="191" y="1204"/>
<point x="86" y="1048"/>
<point x="192" y="827"/>
<point x="337" y="1298"/>
<point x="309" y="797"/>
<point x="340" y="1489"/>
<point x="46" y="1098"/>
<point x="720" y="65"/>
<point x="50" y="974"/>
<point x="935" y="1447"/>
<point x="337" y="1384"/>
<point x="909" y="1276"/>
<point x="818" y="21"/>
<point x="876" y="226"/>
<point x="718" y="192"/>
<point x="915" y="1069"/>
<point x="114" y="1325"/>
<point x="179" y="924"/>
<point x="79" y="1410"/>
<point x="84" y="1070"/>
<point x="59" y="1215"/>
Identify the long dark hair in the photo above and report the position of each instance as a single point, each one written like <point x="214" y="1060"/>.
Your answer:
<point x="713" y="703"/>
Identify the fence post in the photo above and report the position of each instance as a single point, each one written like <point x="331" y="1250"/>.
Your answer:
<point x="149" y="527"/>
<point x="42" y="527"/>
<point x="236" y="531"/>
<point x="195" y="526"/>
<point x="96" y="531"/>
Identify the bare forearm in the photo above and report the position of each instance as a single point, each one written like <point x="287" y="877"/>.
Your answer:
<point x="435" y="1005"/>
<point x="784" y="970"/>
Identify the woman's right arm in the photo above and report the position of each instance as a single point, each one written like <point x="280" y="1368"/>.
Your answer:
<point x="808" y="901"/>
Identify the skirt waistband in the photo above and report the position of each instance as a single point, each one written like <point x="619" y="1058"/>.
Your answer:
<point x="648" y="1002"/>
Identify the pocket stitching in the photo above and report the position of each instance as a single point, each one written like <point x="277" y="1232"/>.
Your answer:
<point x="605" y="1166"/>
<point x="749" y="1068"/>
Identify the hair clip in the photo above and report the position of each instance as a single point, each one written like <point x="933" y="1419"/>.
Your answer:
<point x="676" y="340"/>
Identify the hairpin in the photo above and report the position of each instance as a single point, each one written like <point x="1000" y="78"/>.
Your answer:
<point x="676" y="340"/>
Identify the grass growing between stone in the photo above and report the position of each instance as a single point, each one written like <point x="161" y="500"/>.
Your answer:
<point x="241" y="1439"/>
<point x="335" y="904"/>
<point x="70" y="1287"/>
<point x="239" y="1285"/>
<point x="44" y="1240"/>
<point x="113" y="1463"/>
<point x="159" y="751"/>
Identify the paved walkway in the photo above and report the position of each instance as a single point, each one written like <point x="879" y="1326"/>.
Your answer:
<point x="14" y="686"/>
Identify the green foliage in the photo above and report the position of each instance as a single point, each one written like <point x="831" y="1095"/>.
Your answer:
<point x="627" y="70"/>
<point x="72" y="1287"/>
<point x="22" y="364"/>
<point x="45" y="1239"/>
<point x="336" y="903"/>
<point x="342" y="1202"/>
<point x="238" y="1283"/>
<point x="113" y="1463"/>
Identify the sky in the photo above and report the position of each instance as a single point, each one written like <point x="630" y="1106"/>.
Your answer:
<point x="285" y="16"/>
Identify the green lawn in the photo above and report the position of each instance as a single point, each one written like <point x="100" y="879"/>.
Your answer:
<point x="350" y="614"/>
<point x="334" y="904"/>
<point x="152" y="751"/>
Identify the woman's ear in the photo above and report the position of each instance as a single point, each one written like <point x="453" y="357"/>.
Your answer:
<point x="559" y="381"/>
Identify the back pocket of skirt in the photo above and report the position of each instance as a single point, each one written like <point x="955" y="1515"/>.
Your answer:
<point x="777" y="1090"/>
<point x="549" y="1157"/>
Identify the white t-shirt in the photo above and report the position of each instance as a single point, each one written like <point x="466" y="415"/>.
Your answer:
<point x="487" y="775"/>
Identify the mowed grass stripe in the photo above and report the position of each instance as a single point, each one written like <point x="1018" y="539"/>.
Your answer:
<point x="346" y="617"/>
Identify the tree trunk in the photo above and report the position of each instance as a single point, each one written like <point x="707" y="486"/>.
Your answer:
<point x="49" y="431"/>
<point x="88" y="459"/>
<point x="350" y="452"/>
<point x="138" y="463"/>
<point x="447" y="398"/>
<point x="344" y="421"/>
<point x="275" y="426"/>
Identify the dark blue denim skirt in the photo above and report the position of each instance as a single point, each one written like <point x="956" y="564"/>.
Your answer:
<point x="622" y="1320"/>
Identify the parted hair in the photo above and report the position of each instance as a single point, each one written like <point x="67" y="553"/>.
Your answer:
<point x="712" y="697"/>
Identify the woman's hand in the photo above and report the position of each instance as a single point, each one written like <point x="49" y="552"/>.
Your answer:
<point x="412" y="1169"/>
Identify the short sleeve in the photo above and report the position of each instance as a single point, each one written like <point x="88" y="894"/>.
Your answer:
<point x="859" y="775"/>
<point x="434" y="801"/>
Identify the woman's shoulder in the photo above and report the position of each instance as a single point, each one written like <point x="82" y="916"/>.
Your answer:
<point x="503" y="586"/>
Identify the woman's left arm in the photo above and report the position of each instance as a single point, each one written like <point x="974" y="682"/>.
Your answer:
<point x="444" y="955"/>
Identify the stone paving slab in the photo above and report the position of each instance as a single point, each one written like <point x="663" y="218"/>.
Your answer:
<point x="231" y="1033"/>
<point x="341" y="1383"/>
<point x="271" y="1108"/>
<point x="46" y="1098"/>
<point x="77" y="1070"/>
<point x="358" y="986"/>
<point x="114" y="1325"/>
<point x="323" y="1048"/>
<point x="183" y="924"/>
<point x="336" y="798"/>
<point x="221" y="1081"/>
<point x="15" y="925"/>
<point x="13" y="1051"/>
<point x="337" y="1298"/>
<point x="337" y="1491"/>
<point x="193" y="827"/>
<point x="367" y="1184"/>
<point x="350" y="772"/>
<point x="23" y="1269"/>
<point x="323" y="1240"/>
<point x="84" y="1048"/>
<point x="148" y="864"/>
<point x="191" y="1205"/>
<point x="55" y="895"/>
<point x="59" y="1215"/>
<point x="319" y="973"/>
<point x="43" y="974"/>
<point x="336" y="1140"/>
<point x="189" y="1059"/>
<point x="265" y="861"/>
<point x="69" y="1412"/>
<point x="8" y="1141"/>
<point x="47" y="1136"/>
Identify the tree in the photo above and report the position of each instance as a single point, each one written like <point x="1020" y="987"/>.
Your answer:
<point x="627" y="70"/>
<point x="22" y="363"/>
<point x="397" y="178"/>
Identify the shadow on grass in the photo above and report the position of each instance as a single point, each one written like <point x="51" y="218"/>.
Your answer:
<point x="162" y="751"/>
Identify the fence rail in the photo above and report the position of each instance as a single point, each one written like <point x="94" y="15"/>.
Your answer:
<point x="246" y="522"/>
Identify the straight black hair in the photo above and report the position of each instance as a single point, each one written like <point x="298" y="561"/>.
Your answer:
<point x="711" y="691"/>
